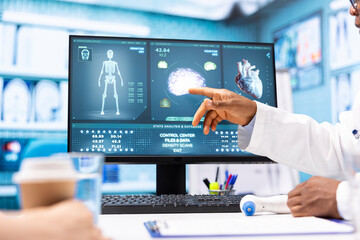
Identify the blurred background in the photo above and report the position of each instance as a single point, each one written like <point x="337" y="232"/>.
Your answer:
<point x="317" y="61"/>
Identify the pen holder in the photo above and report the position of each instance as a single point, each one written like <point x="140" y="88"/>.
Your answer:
<point x="224" y="192"/>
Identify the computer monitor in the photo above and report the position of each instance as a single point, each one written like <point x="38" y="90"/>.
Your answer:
<point x="128" y="98"/>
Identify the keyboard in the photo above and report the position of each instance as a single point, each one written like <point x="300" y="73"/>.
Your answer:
<point x="129" y="204"/>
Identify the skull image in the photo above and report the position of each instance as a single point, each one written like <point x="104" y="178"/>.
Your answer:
<point x="85" y="55"/>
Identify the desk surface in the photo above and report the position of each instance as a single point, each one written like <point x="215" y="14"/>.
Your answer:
<point x="131" y="226"/>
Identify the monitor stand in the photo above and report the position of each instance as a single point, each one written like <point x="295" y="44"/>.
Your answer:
<point x="170" y="179"/>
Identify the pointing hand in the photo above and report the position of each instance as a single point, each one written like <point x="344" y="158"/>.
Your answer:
<point x="223" y="105"/>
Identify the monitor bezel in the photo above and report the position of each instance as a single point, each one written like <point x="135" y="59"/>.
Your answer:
<point x="151" y="159"/>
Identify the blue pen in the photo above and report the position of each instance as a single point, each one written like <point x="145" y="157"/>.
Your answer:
<point x="231" y="181"/>
<point x="235" y="179"/>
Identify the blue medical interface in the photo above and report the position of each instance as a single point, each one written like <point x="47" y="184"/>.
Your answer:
<point x="129" y="97"/>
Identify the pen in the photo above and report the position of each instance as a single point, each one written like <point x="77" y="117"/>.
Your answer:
<point x="207" y="183"/>
<point x="226" y="177"/>
<point x="236" y="176"/>
<point x="233" y="181"/>
<point x="217" y="174"/>
<point x="230" y="182"/>
<point x="231" y="178"/>
<point x="227" y="182"/>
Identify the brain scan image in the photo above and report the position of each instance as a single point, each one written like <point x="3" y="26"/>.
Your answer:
<point x="172" y="73"/>
<point x="16" y="101"/>
<point x="47" y="101"/>
<point x="165" y="103"/>
<point x="209" y="66"/>
<point x="248" y="80"/>
<point x="162" y="65"/>
<point x="181" y="79"/>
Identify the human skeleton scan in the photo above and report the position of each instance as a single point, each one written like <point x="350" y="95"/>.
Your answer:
<point x="85" y="55"/>
<point x="110" y="67"/>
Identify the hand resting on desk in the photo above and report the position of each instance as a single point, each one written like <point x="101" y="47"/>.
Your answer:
<point x="314" y="197"/>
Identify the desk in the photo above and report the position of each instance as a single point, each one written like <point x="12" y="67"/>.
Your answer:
<point x="131" y="226"/>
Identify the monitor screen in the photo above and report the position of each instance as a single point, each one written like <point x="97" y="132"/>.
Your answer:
<point x="298" y="49"/>
<point x="128" y="97"/>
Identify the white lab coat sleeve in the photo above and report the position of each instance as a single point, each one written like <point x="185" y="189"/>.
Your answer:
<point x="298" y="141"/>
<point x="342" y="192"/>
<point x="244" y="133"/>
<point x="343" y="200"/>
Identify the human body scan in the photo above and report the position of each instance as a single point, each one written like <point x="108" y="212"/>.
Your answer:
<point x="110" y="67"/>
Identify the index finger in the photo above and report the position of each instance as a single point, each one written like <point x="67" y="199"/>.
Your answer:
<point x="205" y="91"/>
<point x="199" y="114"/>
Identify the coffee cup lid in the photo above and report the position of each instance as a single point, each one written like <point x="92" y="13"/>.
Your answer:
<point x="45" y="168"/>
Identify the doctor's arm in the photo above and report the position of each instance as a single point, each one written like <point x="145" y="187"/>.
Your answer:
<point x="295" y="140"/>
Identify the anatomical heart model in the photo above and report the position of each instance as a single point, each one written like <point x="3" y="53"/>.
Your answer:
<point x="248" y="80"/>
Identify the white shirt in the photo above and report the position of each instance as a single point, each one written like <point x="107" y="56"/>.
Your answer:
<point x="302" y="143"/>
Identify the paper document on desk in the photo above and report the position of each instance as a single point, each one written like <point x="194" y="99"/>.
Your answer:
<point x="260" y="225"/>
